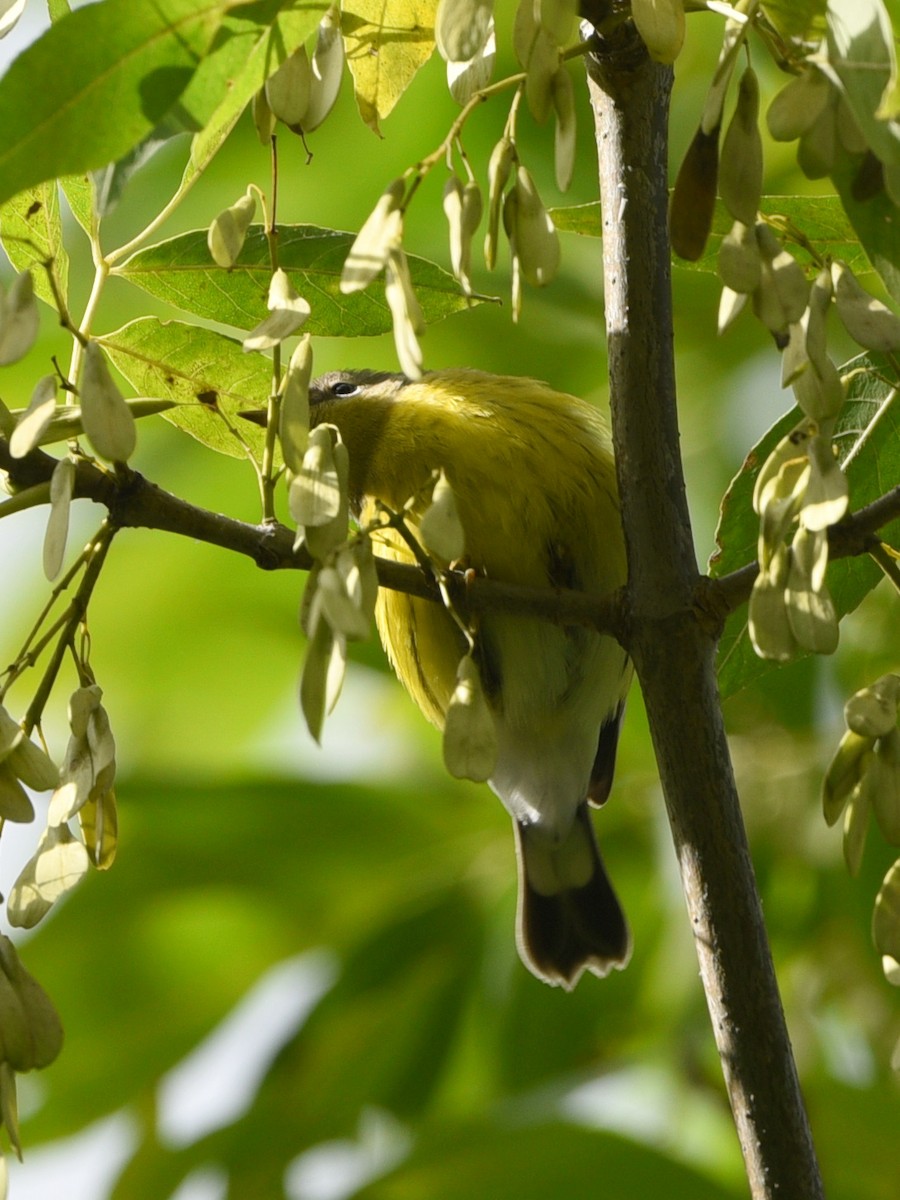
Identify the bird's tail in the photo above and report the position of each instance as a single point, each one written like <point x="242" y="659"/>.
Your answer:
<point x="569" y="918"/>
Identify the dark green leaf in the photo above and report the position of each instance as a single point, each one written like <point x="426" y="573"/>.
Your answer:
<point x="181" y="272"/>
<point x="498" y="1161"/>
<point x="96" y="83"/>
<point x="31" y="231"/>
<point x="818" y="221"/>
<point x="215" y="884"/>
<point x="861" y="54"/>
<point x="868" y="441"/>
<point x="875" y="219"/>
<point x="207" y="374"/>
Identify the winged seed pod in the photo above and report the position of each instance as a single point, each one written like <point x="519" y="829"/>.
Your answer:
<point x="739" y="258"/>
<point x="499" y="169"/>
<point x="783" y="292"/>
<point x="810" y="611"/>
<point x="440" y="527"/>
<point x="107" y="420"/>
<point x="731" y="305"/>
<point x="798" y="105"/>
<point x="463" y="208"/>
<point x="536" y="239"/>
<point x="869" y="322"/>
<point x="327" y="71"/>
<point x="883" y="777"/>
<point x="338" y="607"/>
<point x="229" y="229"/>
<point x="57" y="865"/>
<point x="409" y="321"/>
<point x="37" y="416"/>
<point x="10" y="13"/>
<point x="768" y="624"/>
<point x="287" y="312"/>
<point x="844" y="773"/>
<point x="381" y="233"/>
<point x="856" y="824"/>
<point x="558" y="17"/>
<point x="288" y="89"/>
<point x="321" y="540"/>
<point x="470" y="736"/>
<point x="563" y="95"/>
<point x="791" y="448"/>
<point x="781" y="504"/>
<point x="538" y="53"/>
<point x="19" y="319"/>
<point x="293" y="416"/>
<point x="826" y="496"/>
<point x="872" y="711"/>
<point x="466" y="78"/>
<point x="741" y="158"/>
<point x="886" y="915"/>
<point x="809" y="550"/>
<point x="819" y="390"/>
<point x="32" y="1033"/>
<point x="323" y="673"/>
<point x="89" y="770"/>
<point x="661" y="26"/>
<point x="694" y="196"/>
<point x="62" y="485"/>
<point x="315" y="489"/>
<point x="510" y="205"/>
<point x="26" y="760"/>
<point x="461" y="28"/>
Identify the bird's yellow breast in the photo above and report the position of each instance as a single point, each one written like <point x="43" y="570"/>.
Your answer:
<point x="533" y="476"/>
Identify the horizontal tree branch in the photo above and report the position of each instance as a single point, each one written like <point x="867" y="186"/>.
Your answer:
<point x="134" y="502"/>
<point x="856" y="534"/>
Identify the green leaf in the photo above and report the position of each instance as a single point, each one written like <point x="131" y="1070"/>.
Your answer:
<point x="387" y="41"/>
<point x="861" y="54"/>
<point x="181" y="272"/>
<point x="816" y="220"/>
<point x="497" y="1160"/>
<point x="96" y="83"/>
<point x="875" y="219"/>
<point x="867" y="436"/>
<point x="215" y="884"/>
<point x="80" y="193"/>
<point x="33" y="217"/>
<point x="204" y="372"/>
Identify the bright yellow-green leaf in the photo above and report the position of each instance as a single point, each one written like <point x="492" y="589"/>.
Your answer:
<point x="386" y="42"/>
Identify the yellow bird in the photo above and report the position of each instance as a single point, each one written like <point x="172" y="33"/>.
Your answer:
<point x="533" y="477"/>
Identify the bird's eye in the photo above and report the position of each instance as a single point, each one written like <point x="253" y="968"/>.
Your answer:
<point x="344" y="387"/>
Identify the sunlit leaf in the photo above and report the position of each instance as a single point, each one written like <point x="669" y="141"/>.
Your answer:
<point x="204" y="372"/>
<point x="84" y="117"/>
<point x="386" y="41"/>
<point x="31" y="232"/>
<point x="181" y="272"/>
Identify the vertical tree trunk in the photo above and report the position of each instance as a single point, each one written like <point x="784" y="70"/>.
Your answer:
<point x="673" y="651"/>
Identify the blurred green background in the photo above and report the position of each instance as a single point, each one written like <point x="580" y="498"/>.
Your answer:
<point x="347" y="912"/>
